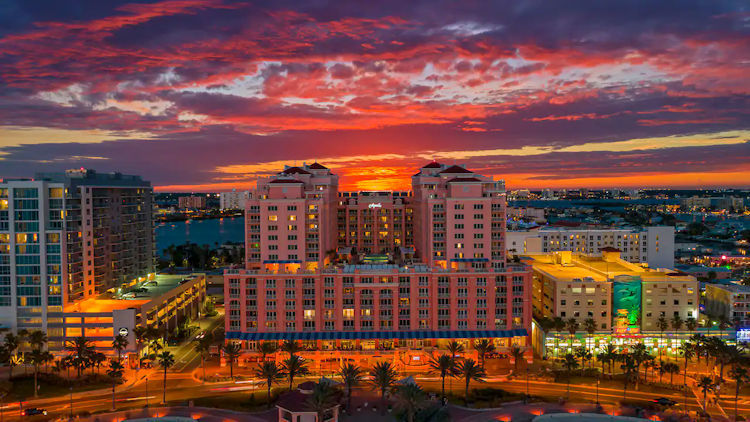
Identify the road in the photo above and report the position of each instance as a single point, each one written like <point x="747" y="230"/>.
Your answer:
<point x="181" y="388"/>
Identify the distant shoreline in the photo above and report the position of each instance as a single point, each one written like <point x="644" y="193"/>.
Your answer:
<point x="182" y="217"/>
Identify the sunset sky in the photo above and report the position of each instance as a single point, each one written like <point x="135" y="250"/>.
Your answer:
<point x="207" y="95"/>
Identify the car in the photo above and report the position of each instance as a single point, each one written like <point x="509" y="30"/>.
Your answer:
<point x="663" y="401"/>
<point x="31" y="411"/>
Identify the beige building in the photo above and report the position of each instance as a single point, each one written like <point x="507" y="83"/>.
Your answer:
<point x="729" y="300"/>
<point x="570" y="285"/>
<point x="668" y="295"/>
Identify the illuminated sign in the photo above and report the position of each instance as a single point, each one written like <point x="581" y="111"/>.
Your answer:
<point x="743" y="334"/>
<point x="626" y="306"/>
<point x="124" y="331"/>
<point x="377" y="205"/>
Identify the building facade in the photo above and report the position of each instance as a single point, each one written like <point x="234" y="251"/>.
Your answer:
<point x="234" y="200"/>
<point x="192" y="202"/>
<point x="652" y="245"/>
<point x="298" y="285"/>
<point x="66" y="237"/>
<point x="731" y="301"/>
<point x="621" y="297"/>
<point x="375" y="222"/>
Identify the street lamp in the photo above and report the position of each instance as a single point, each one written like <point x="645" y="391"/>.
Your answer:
<point x="685" y="392"/>
<point x="526" y="399"/>
<point x="597" y="390"/>
<point x="71" y="402"/>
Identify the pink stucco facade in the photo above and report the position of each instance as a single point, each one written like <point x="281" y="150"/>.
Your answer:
<point x="457" y="283"/>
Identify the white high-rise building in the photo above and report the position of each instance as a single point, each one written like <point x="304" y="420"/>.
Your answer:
<point x="233" y="200"/>
<point x="66" y="237"/>
<point x="653" y="245"/>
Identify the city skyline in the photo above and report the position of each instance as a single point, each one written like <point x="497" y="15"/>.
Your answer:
<point x="210" y="95"/>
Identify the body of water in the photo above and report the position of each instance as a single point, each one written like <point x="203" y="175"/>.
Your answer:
<point x="217" y="230"/>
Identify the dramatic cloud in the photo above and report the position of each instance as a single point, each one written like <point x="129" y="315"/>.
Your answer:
<point x="210" y="94"/>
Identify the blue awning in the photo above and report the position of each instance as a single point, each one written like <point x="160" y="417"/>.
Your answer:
<point x="282" y="261"/>
<point x="380" y="335"/>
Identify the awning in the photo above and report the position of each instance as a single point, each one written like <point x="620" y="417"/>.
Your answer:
<point x="282" y="261"/>
<point x="377" y="335"/>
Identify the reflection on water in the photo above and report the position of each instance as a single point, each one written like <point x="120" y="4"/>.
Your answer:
<point x="199" y="231"/>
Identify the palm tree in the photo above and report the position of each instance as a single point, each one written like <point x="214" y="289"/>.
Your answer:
<point x="484" y="347"/>
<point x="409" y="398"/>
<point x="662" y="324"/>
<point x="293" y="367"/>
<point x="691" y="324"/>
<point x="96" y="359"/>
<point x="291" y="347"/>
<point x="469" y="370"/>
<point x="322" y="399"/>
<point x="115" y="374"/>
<point x="383" y="378"/>
<point x="517" y="354"/>
<point x="267" y="348"/>
<point x="677" y="323"/>
<point x="724" y="323"/>
<point x="589" y="324"/>
<point x="202" y="347"/>
<point x="36" y="357"/>
<point x="688" y="351"/>
<point x="609" y="355"/>
<point x="671" y="368"/>
<point x="10" y="347"/>
<point x="37" y="339"/>
<point x="120" y="343"/>
<point x="351" y="376"/>
<point x="572" y="326"/>
<point x="444" y="366"/>
<point x="81" y="350"/>
<point x="231" y="353"/>
<point x="455" y="348"/>
<point x="639" y="355"/>
<point x="582" y="353"/>
<point x="629" y="368"/>
<point x="166" y="360"/>
<point x="740" y="376"/>
<point x="706" y="384"/>
<point x="270" y="374"/>
<point x="570" y="363"/>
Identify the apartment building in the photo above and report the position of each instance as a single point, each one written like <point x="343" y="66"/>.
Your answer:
<point x="731" y="301"/>
<point x="234" y="200"/>
<point x="456" y="284"/>
<point x="652" y="245"/>
<point x="66" y="237"/>
<point x="192" y="202"/>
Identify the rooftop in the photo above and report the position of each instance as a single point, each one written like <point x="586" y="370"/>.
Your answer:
<point x="455" y="169"/>
<point x="132" y="297"/>
<point x="734" y="288"/>
<point x="580" y="267"/>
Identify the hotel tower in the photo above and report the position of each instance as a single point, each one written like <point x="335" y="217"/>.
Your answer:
<point x="370" y="270"/>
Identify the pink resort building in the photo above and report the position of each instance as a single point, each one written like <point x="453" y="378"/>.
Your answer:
<point x="378" y="270"/>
